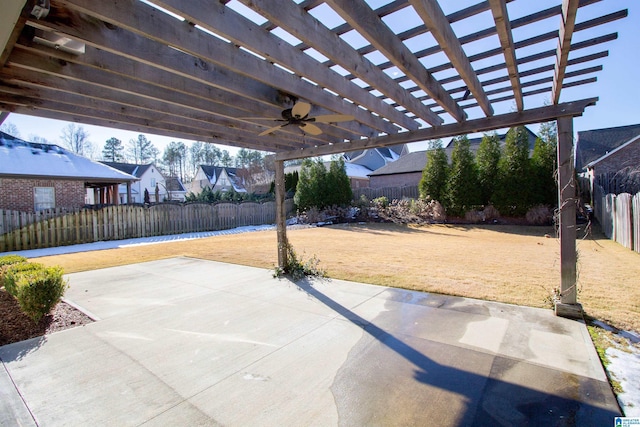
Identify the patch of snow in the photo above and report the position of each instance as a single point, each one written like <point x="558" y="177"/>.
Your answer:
<point x="21" y="158"/>
<point x="624" y="367"/>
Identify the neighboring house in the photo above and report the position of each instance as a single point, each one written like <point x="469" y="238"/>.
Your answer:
<point x="406" y="171"/>
<point x="217" y="178"/>
<point x="176" y="190"/>
<point x="36" y="176"/>
<point x="149" y="177"/>
<point x="375" y="158"/>
<point x="594" y="144"/>
<point x="624" y="156"/>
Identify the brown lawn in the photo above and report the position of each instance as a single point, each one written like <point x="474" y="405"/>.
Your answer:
<point x="512" y="264"/>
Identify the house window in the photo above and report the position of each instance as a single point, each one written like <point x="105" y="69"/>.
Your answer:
<point x="223" y="181"/>
<point x="153" y="182"/>
<point x="44" y="198"/>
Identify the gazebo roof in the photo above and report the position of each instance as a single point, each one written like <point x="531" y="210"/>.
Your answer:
<point x="217" y="71"/>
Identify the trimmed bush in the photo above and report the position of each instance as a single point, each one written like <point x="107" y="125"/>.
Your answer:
<point x="14" y="272"/>
<point x="7" y="261"/>
<point x="11" y="259"/>
<point x="39" y="290"/>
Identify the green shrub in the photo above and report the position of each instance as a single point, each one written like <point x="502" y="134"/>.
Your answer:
<point x="14" y="272"/>
<point x="7" y="261"/>
<point x="39" y="290"/>
<point x="11" y="259"/>
<point x="381" y="202"/>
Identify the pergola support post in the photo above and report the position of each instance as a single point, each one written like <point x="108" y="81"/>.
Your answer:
<point x="567" y="305"/>
<point x="281" y="215"/>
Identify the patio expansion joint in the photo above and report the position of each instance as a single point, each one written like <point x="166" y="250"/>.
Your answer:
<point x="17" y="391"/>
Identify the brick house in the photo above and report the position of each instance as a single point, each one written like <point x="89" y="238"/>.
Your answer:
<point x="594" y="144"/>
<point x="36" y="176"/>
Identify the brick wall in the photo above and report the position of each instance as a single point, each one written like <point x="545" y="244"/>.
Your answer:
<point x="627" y="156"/>
<point x="396" y="180"/>
<point x="17" y="194"/>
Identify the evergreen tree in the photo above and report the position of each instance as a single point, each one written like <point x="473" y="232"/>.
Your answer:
<point x="225" y="159"/>
<point x="113" y="150"/>
<point x="512" y="194"/>
<point x="174" y="158"/>
<point x="543" y="166"/>
<point x="462" y="184"/>
<point x="434" y="176"/>
<point x="487" y="159"/>
<point x="310" y="189"/>
<point x="338" y="188"/>
<point x="320" y="188"/>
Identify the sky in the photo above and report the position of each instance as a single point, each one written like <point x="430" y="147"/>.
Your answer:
<point x="618" y="85"/>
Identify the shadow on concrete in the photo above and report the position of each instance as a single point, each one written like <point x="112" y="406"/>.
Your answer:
<point x="487" y="400"/>
<point x="19" y="350"/>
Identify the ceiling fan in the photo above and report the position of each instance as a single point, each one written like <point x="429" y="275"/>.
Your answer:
<point x="299" y="116"/>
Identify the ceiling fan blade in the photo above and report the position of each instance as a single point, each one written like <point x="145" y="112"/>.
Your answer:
<point x="300" y="110"/>
<point x="333" y="118"/>
<point x="273" y="129"/>
<point x="310" y="129"/>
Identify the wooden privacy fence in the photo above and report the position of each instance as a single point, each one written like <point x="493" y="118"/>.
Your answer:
<point x="619" y="216"/>
<point x="391" y="193"/>
<point x="61" y="227"/>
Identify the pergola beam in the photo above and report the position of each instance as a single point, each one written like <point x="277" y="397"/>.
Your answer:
<point x="503" y="27"/>
<point x="360" y="16"/>
<point x="305" y="27"/>
<point x="567" y="24"/>
<point x="148" y="22"/>
<point x="534" y="115"/>
<point x="435" y="19"/>
<point x="226" y="22"/>
<point x="135" y="89"/>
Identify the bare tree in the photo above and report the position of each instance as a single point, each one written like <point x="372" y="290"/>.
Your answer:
<point x="11" y="129"/>
<point x="76" y="138"/>
<point x="141" y="150"/>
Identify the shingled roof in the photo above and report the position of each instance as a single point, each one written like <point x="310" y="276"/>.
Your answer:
<point x="593" y="144"/>
<point x="409" y="163"/>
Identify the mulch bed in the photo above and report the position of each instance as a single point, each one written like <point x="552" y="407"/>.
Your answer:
<point x="16" y="326"/>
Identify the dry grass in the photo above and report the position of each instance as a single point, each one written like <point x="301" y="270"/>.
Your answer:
<point x="513" y="264"/>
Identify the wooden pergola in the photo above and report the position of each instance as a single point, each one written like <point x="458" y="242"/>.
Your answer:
<point x="214" y="70"/>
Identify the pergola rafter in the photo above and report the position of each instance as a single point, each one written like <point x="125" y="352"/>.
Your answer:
<point x="567" y="24"/>
<point x="220" y="71"/>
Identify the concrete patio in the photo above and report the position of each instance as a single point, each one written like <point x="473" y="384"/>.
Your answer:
<point x="191" y="342"/>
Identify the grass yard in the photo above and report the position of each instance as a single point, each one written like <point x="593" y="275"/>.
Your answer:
<point x="512" y="264"/>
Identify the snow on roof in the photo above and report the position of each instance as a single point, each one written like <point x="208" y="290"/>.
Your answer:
<point x="356" y="171"/>
<point x="22" y="159"/>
